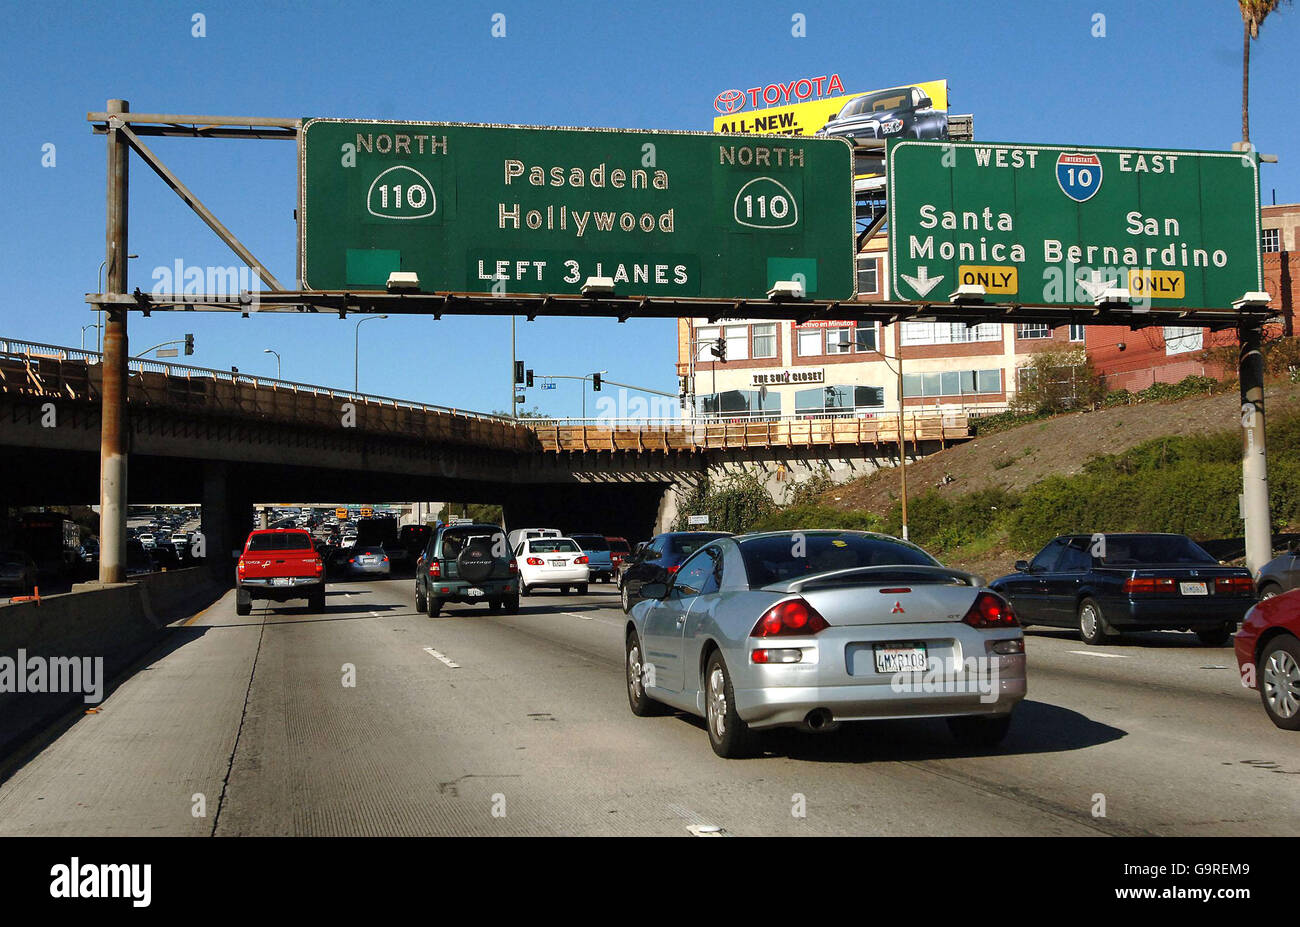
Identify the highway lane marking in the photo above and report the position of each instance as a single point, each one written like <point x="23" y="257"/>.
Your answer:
<point x="1094" y="653"/>
<point x="576" y="615"/>
<point x="441" y="656"/>
<point x="706" y="830"/>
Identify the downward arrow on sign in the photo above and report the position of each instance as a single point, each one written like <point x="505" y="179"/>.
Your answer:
<point x="923" y="283"/>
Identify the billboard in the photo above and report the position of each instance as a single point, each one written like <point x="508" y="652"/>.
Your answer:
<point x="905" y="111"/>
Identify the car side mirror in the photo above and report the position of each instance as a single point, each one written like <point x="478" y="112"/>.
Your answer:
<point x="924" y="103"/>
<point x="1292" y="546"/>
<point x="654" y="590"/>
<point x="831" y="118"/>
<point x="1022" y="566"/>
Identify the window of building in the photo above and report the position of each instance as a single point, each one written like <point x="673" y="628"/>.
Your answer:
<point x="1270" y="241"/>
<point x="867" y="339"/>
<point x="740" y="402"/>
<point x="1179" y="340"/>
<point x="952" y="383"/>
<point x="1076" y="332"/>
<point x="810" y="342"/>
<point x="704" y="339"/>
<point x="949" y="332"/>
<point x="838" y="400"/>
<point x="1033" y="330"/>
<point x="868" y="276"/>
<point x="737" y="342"/>
<point x="765" y="340"/>
<point x="839" y="341"/>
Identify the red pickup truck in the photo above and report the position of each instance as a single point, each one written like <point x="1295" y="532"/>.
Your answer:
<point x="279" y="564"/>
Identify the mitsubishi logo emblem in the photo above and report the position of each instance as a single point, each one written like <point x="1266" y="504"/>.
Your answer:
<point x="897" y="609"/>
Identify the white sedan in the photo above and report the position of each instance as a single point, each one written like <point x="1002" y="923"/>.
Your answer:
<point x="557" y="563"/>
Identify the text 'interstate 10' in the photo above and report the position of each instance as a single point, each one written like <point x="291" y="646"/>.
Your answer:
<point x="521" y="210"/>
<point x="1044" y="225"/>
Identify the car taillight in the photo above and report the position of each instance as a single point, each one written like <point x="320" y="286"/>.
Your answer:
<point x="514" y="566"/>
<point x="1234" y="585"/>
<point x="352" y="560"/>
<point x="793" y="616"/>
<point x="581" y="560"/>
<point x="674" y="568"/>
<point x="534" y="561"/>
<point x="317" y="565"/>
<point x="1147" y="585"/>
<point x="435" y="568"/>
<point x="990" y="611"/>
<point x="385" y="560"/>
<point x="239" y="567"/>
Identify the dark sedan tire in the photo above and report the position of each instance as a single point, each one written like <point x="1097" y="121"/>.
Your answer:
<point x="642" y="705"/>
<point x="1092" y="626"/>
<point x="627" y="599"/>
<point x="525" y="589"/>
<point x="1268" y="590"/>
<point x="1277" y="676"/>
<point x="979" y="732"/>
<point x="1217" y="637"/>
<point x="730" y="737"/>
<point x="316" y="603"/>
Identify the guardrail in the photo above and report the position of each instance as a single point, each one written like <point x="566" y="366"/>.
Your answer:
<point x="33" y="350"/>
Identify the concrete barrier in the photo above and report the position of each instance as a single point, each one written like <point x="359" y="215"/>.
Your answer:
<point x="116" y="624"/>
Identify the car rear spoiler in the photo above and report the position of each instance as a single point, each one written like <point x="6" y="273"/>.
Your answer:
<point x="838" y="577"/>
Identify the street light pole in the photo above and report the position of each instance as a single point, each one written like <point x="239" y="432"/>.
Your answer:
<point x="356" y="351"/>
<point x="94" y="325"/>
<point x="277" y="361"/>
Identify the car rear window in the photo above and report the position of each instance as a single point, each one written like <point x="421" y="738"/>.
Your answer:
<point x="454" y="540"/>
<point x="619" y="546"/>
<point x="552" y="546"/>
<point x="377" y="551"/>
<point x="289" y="540"/>
<point x="1122" y="550"/>
<point x="690" y="543"/>
<point x="591" y="541"/>
<point x="778" y="558"/>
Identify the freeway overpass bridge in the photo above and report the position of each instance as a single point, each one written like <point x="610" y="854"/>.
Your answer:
<point x="232" y="440"/>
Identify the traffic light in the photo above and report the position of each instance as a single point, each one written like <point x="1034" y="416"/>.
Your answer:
<point x="189" y="345"/>
<point x="595" y="383"/>
<point x="528" y="378"/>
<point x="519" y="371"/>
<point x="719" y="349"/>
<point x="682" y="383"/>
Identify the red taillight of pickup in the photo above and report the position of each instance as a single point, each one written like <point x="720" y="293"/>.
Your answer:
<point x="240" y="567"/>
<point x="318" y="565"/>
<point x="1149" y="585"/>
<point x="1233" y="585"/>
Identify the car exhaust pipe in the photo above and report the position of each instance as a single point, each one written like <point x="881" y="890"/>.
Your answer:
<point x="820" y="721"/>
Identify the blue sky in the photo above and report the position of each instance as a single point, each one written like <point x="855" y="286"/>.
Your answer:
<point x="1166" y="74"/>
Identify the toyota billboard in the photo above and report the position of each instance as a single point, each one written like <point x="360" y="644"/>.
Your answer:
<point x="819" y="106"/>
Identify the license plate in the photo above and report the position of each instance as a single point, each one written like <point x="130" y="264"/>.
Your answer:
<point x="281" y="581"/>
<point x="900" y="658"/>
<point x="472" y="592"/>
<point x="558" y="562"/>
<point x="1193" y="589"/>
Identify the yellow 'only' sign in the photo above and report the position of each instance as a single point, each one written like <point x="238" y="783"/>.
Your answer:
<point x="1157" y="284"/>
<point x="993" y="278"/>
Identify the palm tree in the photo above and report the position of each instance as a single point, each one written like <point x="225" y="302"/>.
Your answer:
<point x="1253" y="14"/>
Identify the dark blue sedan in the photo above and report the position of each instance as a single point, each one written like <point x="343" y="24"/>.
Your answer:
<point x="1105" y="584"/>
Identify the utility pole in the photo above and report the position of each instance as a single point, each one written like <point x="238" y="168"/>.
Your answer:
<point x="113" y="418"/>
<point x="1254" y="463"/>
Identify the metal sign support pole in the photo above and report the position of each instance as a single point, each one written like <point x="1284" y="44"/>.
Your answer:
<point x="1254" y="462"/>
<point x="113" y="427"/>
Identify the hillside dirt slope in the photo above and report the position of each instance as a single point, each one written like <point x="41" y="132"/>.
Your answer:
<point x="1021" y="456"/>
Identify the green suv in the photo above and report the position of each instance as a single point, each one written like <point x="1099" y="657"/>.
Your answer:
<point x="467" y="563"/>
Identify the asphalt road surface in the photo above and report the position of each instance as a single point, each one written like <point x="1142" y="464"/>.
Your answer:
<point x="476" y="724"/>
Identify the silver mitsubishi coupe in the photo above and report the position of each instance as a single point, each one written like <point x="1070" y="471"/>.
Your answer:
<point x="808" y="629"/>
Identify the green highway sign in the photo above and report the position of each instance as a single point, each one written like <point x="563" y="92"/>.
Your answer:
<point x="1051" y="225"/>
<point x="515" y="210"/>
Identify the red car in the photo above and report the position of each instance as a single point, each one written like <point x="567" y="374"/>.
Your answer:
<point x="619" y="551"/>
<point x="1268" y="656"/>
